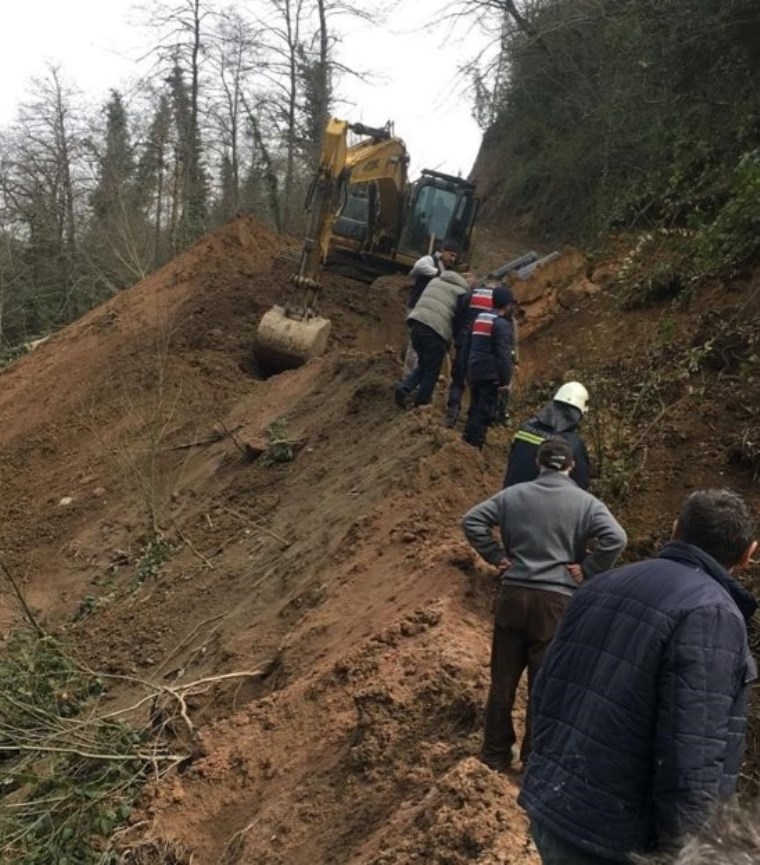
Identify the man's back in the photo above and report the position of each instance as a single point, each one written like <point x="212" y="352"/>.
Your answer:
<point x="569" y="517"/>
<point x="544" y="525"/>
<point x="442" y="305"/>
<point x="553" y="420"/>
<point x="638" y="711"/>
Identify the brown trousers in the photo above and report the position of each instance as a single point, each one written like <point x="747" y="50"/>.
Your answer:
<point x="525" y="622"/>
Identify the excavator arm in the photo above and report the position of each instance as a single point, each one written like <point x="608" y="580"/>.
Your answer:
<point x="380" y="159"/>
<point x="288" y="336"/>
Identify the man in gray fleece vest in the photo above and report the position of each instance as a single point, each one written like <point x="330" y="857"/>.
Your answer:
<point x="545" y="526"/>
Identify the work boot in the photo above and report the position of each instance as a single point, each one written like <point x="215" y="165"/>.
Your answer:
<point x="400" y="395"/>
<point x="502" y="764"/>
<point x="450" y="418"/>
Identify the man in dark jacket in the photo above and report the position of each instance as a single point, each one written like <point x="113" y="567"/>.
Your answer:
<point x="560" y="417"/>
<point x="545" y="527"/>
<point x="435" y="321"/>
<point x="481" y="300"/>
<point x="640" y="709"/>
<point x="430" y="266"/>
<point x="489" y="364"/>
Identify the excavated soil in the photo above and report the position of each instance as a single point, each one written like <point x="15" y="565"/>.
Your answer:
<point x="339" y="580"/>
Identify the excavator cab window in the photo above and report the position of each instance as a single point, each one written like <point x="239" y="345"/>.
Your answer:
<point x="439" y="209"/>
<point x="428" y="219"/>
<point x="354" y="215"/>
<point x="460" y="227"/>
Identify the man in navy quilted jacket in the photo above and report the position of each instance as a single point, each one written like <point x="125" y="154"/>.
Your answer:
<point x="640" y="709"/>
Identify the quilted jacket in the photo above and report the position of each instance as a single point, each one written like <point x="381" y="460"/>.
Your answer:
<point x="639" y="710"/>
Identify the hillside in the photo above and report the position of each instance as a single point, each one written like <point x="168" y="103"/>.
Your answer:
<point x="337" y="620"/>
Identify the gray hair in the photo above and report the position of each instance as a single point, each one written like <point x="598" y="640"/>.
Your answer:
<point x="732" y="837"/>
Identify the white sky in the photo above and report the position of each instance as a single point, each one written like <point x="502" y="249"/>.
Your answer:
<point x="414" y="84"/>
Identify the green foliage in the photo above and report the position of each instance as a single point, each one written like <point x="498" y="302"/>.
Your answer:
<point x="155" y="553"/>
<point x="279" y="448"/>
<point x="36" y="669"/>
<point x="629" y="114"/>
<point x="659" y="268"/>
<point x="734" y="234"/>
<point x="9" y="354"/>
<point x="69" y="778"/>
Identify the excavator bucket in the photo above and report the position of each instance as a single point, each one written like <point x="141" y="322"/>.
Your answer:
<point x="285" y="342"/>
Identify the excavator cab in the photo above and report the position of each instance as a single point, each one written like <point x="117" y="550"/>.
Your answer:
<point x="440" y="207"/>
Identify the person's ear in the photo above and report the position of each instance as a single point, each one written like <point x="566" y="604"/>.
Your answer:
<point x="674" y="531"/>
<point x="745" y="559"/>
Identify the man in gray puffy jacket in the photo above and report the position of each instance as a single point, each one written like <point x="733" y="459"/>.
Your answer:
<point x="545" y="527"/>
<point x="437" y="318"/>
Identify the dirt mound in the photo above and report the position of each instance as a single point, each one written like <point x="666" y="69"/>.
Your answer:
<point x="335" y="622"/>
<point x="149" y="537"/>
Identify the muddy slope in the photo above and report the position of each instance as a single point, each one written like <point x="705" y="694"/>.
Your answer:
<point x="342" y="573"/>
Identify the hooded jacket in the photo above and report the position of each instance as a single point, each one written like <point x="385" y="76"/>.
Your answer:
<point x="553" y="419"/>
<point x="443" y="305"/>
<point x="640" y="708"/>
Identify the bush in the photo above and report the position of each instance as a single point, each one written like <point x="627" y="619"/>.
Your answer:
<point x="734" y="235"/>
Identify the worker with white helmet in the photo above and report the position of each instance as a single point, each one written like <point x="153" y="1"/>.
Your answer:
<point x="558" y="418"/>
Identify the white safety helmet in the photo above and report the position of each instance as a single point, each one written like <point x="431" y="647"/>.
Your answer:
<point x="573" y="393"/>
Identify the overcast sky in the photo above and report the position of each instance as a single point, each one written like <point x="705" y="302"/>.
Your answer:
<point x="97" y="45"/>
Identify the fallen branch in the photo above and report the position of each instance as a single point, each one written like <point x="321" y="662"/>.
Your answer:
<point x="119" y="758"/>
<point x="21" y="599"/>
<point x="259" y="673"/>
<point x="157" y="690"/>
<point x="638" y="441"/>
<point x="187" y="541"/>
<point x="187" y="640"/>
<point x="234" y="847"/>
<point x="258" y="526"/>
<point x="209" y="440"/>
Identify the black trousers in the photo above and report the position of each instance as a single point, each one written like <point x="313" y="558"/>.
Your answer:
<point x="484" y="402"/>
<point x="431" y="350"/>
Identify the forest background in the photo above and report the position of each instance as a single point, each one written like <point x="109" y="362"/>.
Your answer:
<point x="598" y="116"/>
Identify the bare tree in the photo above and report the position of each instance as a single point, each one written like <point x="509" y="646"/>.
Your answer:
<point x="182" y="30"/>
<point x="42" y="194"/>
<point x="235" y="54"/>
<point x="152" y="173"/>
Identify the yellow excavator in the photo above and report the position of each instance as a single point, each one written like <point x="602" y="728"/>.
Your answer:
<point x="365" y="220"/>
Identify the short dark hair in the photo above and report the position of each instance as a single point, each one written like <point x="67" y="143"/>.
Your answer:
<point x="451" y="245"/>
<point x="502" y="297"/>
<point x="555" y="454"/>
<point x="719" y="522"/>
